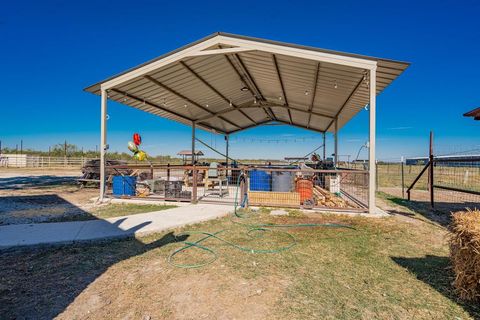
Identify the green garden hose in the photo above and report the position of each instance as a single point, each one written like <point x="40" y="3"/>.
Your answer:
<point x="253" y="231"/>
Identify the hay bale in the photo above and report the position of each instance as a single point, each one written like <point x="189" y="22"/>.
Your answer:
<point x="465" y="253"/>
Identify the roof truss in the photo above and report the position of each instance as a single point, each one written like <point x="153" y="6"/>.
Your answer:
<point x="271" y="75"/>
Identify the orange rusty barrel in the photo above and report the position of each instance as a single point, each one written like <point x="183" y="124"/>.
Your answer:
<point x="305" y="188"/>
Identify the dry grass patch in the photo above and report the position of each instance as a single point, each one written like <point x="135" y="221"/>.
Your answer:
<point x="384" y="269"/>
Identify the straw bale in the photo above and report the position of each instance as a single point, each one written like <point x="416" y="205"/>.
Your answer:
<point x="465" y="253"/>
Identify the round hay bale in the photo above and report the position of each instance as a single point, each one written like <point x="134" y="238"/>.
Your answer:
<point x="465" y="253"/>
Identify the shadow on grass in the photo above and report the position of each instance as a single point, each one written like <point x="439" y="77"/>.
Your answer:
<point x="41" y="283"/>
<point x="38" y="208"/>
<point x="436" y="272"/>
<point x="24" y="182"/>
<point x="441" y="214"/>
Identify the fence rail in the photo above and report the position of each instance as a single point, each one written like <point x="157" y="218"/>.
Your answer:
<point x="258" y="186"/>
<point x="28" y="161"/>
<point x="453" y="184"/>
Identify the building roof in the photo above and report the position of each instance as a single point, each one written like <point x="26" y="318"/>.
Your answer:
<point x="475" y="113"/>
<point x="226" y="83"/>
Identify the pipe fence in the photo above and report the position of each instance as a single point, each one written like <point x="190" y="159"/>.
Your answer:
<point x="256" y="186"/>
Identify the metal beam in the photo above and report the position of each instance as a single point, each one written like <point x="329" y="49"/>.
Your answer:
<point x="151" y="104"/>
<point x="103" y="143"/>
<point x="244" y="81"/>
<point x="193" y="143"/>
<point x="178" y="94"/>
<point x="214" y="89"/>
<point x="255" y="86"/>
<point x="315" y="113"/>
<point x="372" y="135"/>
<point x="282" y="86"/>
<point x="250" y="126"/>
<point x="346" y="102"/>
<point x="336" y="143"/>
<point x="299" y="126"/>
<point x="298" y="52"/>
<point x="269" y="104"/>
<point x="315" y="82"/>
<point x="220" y="51"/>
<point x="227" y="138"/>
<point x="324" y="148"/>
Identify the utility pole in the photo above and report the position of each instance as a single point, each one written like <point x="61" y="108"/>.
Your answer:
<point x="21" y="146"/>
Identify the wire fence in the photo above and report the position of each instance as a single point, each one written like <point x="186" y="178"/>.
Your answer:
<point x="456" y="181"/>
<point x="257" y="186"/>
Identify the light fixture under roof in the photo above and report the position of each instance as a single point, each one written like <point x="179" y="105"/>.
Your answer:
<point x="244" y="89"/>
<point x="335" y="85"/>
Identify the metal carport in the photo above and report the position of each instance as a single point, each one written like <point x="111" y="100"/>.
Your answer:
<point x="227" y="83"/>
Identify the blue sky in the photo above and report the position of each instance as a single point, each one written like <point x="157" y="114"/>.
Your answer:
<point x="51" y="50"/>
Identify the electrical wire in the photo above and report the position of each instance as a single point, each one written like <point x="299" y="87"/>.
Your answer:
<point x="215" y="150"/>
<point x="308" y="154"/>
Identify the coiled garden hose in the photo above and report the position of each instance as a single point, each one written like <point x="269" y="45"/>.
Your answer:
<point x="253" y="231"/>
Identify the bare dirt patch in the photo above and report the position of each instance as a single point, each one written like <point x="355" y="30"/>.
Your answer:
<point x="28" y="196"/>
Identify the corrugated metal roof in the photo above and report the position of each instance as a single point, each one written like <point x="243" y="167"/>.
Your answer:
<point x="234" y="91"/>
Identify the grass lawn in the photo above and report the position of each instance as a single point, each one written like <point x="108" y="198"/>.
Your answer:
<point x="388" y="268"/>
<point x="111" y="211"/>
<point x="124" y="209"/>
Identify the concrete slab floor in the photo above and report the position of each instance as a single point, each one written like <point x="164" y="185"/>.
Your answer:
<point x="133" y="225"/>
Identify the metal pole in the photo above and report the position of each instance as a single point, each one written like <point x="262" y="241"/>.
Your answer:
<point x="194" y="171"/>
<point x="403" y="179"/>
<point x="432" y="200"/>
<point x="193" y="143"/>
<point x="336" y="142"/>
<point x="21" y="146"/>
<point x="324" y="148"/>
<point x="371" y="154"/>
<point x="226" y="151"/>
<point x="103" y="142"/>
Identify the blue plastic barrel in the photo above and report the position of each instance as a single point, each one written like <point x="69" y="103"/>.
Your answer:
<point x="124" y="185"/>
<point x="260" y="181"/>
